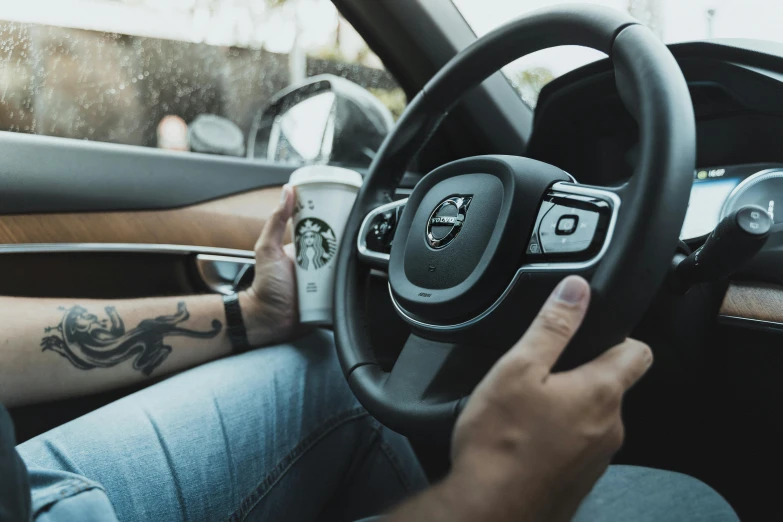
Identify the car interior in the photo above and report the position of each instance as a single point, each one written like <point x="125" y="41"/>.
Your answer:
<point x="670" y="184"/>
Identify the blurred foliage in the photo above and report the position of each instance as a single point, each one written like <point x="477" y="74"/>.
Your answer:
<point x="649" y="12"/>
<point x="530" y="82"/>
<point x="395" y="100"/>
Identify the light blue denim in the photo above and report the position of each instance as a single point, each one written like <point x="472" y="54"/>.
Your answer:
<point x="274" y="434"/>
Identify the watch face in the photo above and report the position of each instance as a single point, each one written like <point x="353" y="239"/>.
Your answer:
<point x="315" y="242"/>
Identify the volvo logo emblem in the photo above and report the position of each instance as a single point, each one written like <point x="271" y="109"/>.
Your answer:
<point x="447" y="220"/>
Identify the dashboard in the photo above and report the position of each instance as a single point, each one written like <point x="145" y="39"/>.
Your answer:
<point x="582" y="126"/>
<point x="737" y="93"/>
<point x="717" y="191"/>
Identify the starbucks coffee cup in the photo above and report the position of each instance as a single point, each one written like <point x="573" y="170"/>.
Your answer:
<point x="324" y="198"/>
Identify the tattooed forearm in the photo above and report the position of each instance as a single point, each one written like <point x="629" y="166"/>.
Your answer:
<point x="89" y="342"/>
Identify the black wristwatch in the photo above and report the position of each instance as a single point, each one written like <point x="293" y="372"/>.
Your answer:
<point x="235" y="326"/>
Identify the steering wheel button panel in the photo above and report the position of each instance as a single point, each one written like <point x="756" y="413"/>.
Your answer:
<point x="570" y="227"/>
<point x="377" y="232"/>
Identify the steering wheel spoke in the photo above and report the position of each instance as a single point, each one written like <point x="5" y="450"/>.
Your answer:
<point x="574" y="228"/>
<point x="377" y="234"/>
<point x="428" y="374"/>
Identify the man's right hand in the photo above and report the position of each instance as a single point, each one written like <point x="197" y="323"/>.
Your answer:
<point x="539" y="440"/>
<point x="530" y="443"/>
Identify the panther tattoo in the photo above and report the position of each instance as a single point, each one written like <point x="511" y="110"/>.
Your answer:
<point x="89" y="342"/>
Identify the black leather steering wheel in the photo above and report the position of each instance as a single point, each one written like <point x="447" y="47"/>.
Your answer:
<point x="481" y="242"/>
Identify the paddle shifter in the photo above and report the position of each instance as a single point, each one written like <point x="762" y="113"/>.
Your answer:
<point x="736" y="239"/>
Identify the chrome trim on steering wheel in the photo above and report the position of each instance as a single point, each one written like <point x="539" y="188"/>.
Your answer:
<point x="608" y="196"/>
<point x="564" y="188"/>
<point x="361" y="241"/>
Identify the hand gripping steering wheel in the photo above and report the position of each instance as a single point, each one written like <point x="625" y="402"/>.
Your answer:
<point x="482" y="241"/>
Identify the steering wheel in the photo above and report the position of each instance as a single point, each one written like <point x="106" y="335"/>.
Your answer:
<point x="482" y="241"/>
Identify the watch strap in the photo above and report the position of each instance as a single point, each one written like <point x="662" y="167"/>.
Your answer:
<point x="235" y="325"/>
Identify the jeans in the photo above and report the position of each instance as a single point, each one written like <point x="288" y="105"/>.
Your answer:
<point x="274" y="434"/>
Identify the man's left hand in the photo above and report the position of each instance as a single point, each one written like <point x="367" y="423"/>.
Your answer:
<point x="269" y="305"/>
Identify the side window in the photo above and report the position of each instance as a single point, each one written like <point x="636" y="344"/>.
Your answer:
<point x="281" y="80"/>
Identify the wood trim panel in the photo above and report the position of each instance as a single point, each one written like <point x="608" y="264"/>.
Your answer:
<point x="232" y="222"/>
<point x="760" y="301"/>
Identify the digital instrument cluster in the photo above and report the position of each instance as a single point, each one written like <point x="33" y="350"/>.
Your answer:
<point x="718" y="191"/>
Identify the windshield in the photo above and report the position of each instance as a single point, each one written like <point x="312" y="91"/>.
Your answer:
<point x="671" y="20"/>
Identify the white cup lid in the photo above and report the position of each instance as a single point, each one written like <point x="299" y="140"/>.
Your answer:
<point x="325" y="174"/>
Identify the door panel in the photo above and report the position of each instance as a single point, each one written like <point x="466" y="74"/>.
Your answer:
<point x="131" y="254"/>
<point x="123" y="222"/>
<point x="42" y="174"/>
<point x="85" y="219"/>
<point x="232" y="222"/>
<point x="81" y="275"/>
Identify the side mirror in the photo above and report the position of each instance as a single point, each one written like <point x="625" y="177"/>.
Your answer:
<point x="326" y="119"/>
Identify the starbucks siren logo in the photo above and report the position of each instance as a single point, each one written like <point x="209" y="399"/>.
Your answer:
<point x="315" y="244"/>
